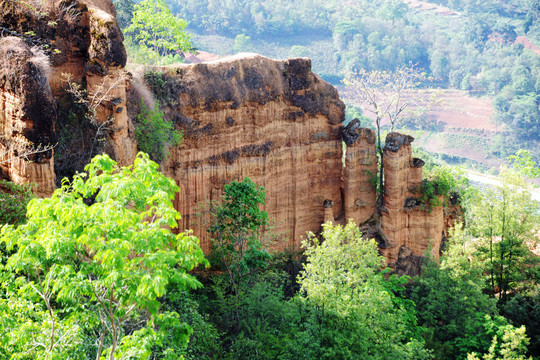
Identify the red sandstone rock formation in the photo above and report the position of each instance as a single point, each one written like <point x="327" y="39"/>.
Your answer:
<point x="360" y="173"/>
<point x="27" y="114"/>
<point x="409" y="226"/>
<point x="274" y="121"/>
<point x="83" y="40"/>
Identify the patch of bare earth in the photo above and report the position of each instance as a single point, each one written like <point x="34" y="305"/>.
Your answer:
<point x="456" y="124"/>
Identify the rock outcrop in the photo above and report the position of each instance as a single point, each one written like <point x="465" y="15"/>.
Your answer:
<point x="82" y="41"/>
<point x="274" y="121"/>
<point x="360" y="173"/>
<point x="409" y="226"/>
<point x="27" y="115"/>
<point x="279" y="124"/>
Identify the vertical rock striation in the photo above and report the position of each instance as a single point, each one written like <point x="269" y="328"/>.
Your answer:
<point x="27" y="115"/>
<point x="84" y="44"/>
<point x="409" y="227"/>
<point x="274" y="121"/>
<point x="360" y="173"/>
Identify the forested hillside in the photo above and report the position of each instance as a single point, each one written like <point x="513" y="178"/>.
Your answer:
<point x="476" y="45"/>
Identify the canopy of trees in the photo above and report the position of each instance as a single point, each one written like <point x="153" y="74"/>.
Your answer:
<point x="82" y="277"/>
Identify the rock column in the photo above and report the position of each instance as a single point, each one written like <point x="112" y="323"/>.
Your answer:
<point x="410" y="227"/>
<point x="360" y="174"/>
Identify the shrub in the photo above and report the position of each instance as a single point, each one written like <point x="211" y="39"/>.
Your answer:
<point x="154" y="133"/>
<point x="13" y="201"/>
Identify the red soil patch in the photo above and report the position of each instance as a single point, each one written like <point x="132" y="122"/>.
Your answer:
<point x="456" y="110"/>
<point x="200" y="56"/>
<point x="528" y="44"/>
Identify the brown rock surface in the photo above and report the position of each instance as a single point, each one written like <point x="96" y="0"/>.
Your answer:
<point x="83" y="41"/>
<point x="360" y="173"/>
<point x="410" y="227"/>
<point x="27" y="115"/>
<point x="274" y="121"/>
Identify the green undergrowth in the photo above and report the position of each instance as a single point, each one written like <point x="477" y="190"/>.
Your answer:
<point x="13" y="201"/>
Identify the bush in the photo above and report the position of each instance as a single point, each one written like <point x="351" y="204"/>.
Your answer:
<point x="13" y="201"/>
<point x="154" y="133"/>
<point x="450" y="183"/>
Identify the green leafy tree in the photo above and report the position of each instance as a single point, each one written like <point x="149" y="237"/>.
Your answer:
<point x="242" y="43"/>
<point x="236" y="229"/>
<point x="508" y="343"/>
<point x="524" y="309"/>
<point x="157" y="31"/>
<point x="124" y="12"/>
<point x="299" y="51"/>
<point x="450" y="303"/>
<point x="392" y="10"/>
<point x="355" y="314"/>
<point x="90" y="265"/>
<point x="506" y="219"/>
<point x="523" y="162"/>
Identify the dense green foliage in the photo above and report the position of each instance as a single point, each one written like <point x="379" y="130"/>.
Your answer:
<point x="459" y="318"/>
<point x="96" y="273"/>
<point x="450" y="303"/>
<point x="345" y="308"/>
<point x="158" y="33"/>
<point x="343" y="281"/>
<point x="124" y="12"/>
<point x="235" y="229"/>
<point x="506" y="219"/>
<point x="87" y="270"/>
<point x="154" y="134"/>
<point x="446" y="183"/>
<point x="13" y="201"/>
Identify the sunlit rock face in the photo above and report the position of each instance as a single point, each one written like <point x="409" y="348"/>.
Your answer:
<point x="274" y="121"/>
<point x="27" y="115"/>
<point x="409" y="227"/>
<point x="79" y="40"/>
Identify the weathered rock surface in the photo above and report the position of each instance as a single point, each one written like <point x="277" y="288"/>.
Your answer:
<point x="360" y="173"/>
<point x="83" y="41"/>
<point x="274" y="121"/>
<point x="27" y="114"/>
<point x="409" y="227"/>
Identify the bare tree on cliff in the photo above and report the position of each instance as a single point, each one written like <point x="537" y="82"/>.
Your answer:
<point x="388" y="97"/>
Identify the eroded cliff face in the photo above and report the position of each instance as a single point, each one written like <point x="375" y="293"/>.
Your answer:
<point x="278" y="123"/>
<point x="409" y="226"/>
<point x="274" y="121"/>
<point x="360" y="173"/>
<point x="82" y="42"/>
<point x="27" y="115"/>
